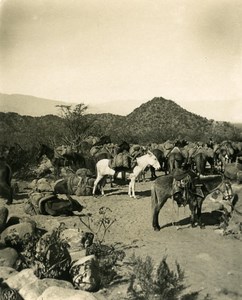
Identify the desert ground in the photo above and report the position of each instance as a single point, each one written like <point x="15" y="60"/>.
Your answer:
<point x="212" y="262"/>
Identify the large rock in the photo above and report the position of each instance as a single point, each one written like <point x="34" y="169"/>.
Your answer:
<point x="6" y="272"/>
<point x="14" y="235"/>
<point x="76" y="255"/>
<point x="58" y="293"/>
<point x="73" y="237"/>
<point x="77" y="240"/>
<point x="3" y="217"/>
<point x="14" y="220"/>
<point x="46" y="222"/>
<point x="8" y="257"/>
<point x="85" y="274"/>
<point x="53" y="259"/>
<point x="35" y="289"/>
<point x="21" y="279"/>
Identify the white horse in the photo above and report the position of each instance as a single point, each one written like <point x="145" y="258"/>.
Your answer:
<point x="143" y="161"/>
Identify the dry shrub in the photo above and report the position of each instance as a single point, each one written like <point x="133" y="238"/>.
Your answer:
<point x="161" y="283"/>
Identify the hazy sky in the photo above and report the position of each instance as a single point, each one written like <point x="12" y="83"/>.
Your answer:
<point x="189" y="51"/>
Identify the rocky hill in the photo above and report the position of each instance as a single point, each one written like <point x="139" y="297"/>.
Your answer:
<point x="160" y="119"/>
<point x="155" y="121"/>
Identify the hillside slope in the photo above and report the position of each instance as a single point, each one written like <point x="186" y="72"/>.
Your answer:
<point x="155" y="121"/>
<point x="160" y="119"/>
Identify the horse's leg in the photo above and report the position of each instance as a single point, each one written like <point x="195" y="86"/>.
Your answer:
<point x="152" y="171"/>
<point x="165" y="166"/>
<point x="102" y="183"/>
<point x="132" y="186"/>
<point x="193" y="207"/>
<point x="99" y="177"/>
<point x="111" y="180"/>
<point x="155" y="214"/>
<point x="171" y="164"/>
<point x="10" y="198"/>
<point x="199" y="212"/>
<point x="155" y="217"/>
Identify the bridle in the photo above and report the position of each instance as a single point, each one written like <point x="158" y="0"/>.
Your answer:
<point x="225" y="188"/>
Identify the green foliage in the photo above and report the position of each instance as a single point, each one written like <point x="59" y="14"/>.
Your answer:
<point x="100" y="225"/>
<point x="28" y="250"/>
<point x="52" y="258"/>
<point x="155" y="121"/>
<point x="148" y="283"/>
<point x="108" y="256"/>
<point x="75" y="122"/>
<point x="47" y="255"/>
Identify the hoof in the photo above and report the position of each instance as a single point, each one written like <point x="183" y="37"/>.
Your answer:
<point x="202" y="226"/>
<point x="193" y="225"/>
<point x="157" y="228"/>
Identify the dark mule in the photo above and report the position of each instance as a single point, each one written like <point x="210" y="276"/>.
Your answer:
<point x="175" y="159"/>
<point x="5" y="181"/>
<point x="103" y="140"/>
<point x="195" y="192"/>
<point x="124" y="146"/>
<point x="73" y="160"/>
<point x="57" y="162"/>
<point x="200" y="161"/>
<point x="161" y="159"/>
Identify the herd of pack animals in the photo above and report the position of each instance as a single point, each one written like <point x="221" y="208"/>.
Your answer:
<point x="190" y="170"/>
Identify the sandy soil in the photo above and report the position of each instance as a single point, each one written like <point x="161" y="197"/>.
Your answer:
<point x="212" y="262"/>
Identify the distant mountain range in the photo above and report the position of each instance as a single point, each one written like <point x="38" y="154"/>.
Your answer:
<point x="36" y="107"/>
<point x="29" y="105"/>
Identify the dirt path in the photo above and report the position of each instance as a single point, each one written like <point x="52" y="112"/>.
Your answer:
<point x="212" y="262"/>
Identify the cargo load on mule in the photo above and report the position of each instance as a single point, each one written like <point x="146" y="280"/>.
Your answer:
<point x="50" y="204"/>
<point x="233" y="171"/>
<point x="79" y="184"/>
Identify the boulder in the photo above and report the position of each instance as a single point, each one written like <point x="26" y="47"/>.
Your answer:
<point x="21" y="279"/>
<point x="85" y="274"/>
<point x="6" y="272"/>
<point x="76" y="255"/>
<point x="46" y="223"/>
<point x="59" y="293"/>
<point x="77" y="240"/>
<point x="13" y="220"/>
<point x="34" y="289"/>
<point x="52" y="256"/>
<point x="8" y="257"/>
<point x="14" y="235"/>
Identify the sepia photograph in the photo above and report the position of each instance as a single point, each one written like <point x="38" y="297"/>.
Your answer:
<point x="120" y="149"/>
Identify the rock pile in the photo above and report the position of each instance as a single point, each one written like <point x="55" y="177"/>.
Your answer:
<point x="40" y="264"/>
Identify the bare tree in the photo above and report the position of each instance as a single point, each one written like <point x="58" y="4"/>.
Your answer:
<point x="75" y="121"/>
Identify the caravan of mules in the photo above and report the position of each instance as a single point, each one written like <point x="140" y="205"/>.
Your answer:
<point x="188" y="171"/>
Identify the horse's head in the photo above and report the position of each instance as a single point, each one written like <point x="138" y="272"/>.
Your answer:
<point x="153" y="161"/>
<point x="226" y="189"/>
<point x="45" y="150"/>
